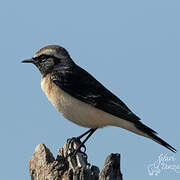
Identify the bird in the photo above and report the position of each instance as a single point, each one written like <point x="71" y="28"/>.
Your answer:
<point x="82" y="99"/>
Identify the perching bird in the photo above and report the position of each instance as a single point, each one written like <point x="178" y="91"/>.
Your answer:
<point x="81" y="98"/>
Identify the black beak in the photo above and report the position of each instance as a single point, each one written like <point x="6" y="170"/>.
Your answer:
<point x="28" y="61"/>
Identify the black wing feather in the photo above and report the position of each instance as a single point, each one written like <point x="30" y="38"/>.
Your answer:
<point x="81" y="85"/>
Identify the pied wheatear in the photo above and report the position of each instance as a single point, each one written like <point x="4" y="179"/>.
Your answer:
<point x="80" y="98"/>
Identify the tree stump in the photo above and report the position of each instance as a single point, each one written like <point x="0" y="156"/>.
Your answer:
<point x="43" y="166"/>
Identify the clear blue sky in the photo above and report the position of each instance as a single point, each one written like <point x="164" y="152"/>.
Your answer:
<point x="132" y="47"/>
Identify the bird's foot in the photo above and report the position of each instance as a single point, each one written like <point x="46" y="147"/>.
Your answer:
<point x="74" y="146"/>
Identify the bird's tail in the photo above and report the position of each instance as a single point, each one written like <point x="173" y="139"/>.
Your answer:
<point x="150" y="133"/>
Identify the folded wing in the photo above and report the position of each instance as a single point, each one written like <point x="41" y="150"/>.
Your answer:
<point x="81" y="85"/>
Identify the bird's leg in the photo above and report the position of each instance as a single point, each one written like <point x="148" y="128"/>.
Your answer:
<point x="90" y="131"/>
<point x="79" y="137"/>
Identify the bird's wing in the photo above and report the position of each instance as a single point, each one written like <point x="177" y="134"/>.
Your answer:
<point x="81" y="85"/>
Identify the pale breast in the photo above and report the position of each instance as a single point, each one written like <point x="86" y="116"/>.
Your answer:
<point x="54" y="94"/>
<point x="79" y="112"/>
<point x="73" y="109"/>
<point x="82" y="113"/>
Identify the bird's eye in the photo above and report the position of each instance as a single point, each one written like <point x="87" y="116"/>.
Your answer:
<point x="42" y="57"/>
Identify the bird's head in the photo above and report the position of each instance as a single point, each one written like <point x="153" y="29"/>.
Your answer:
<point x="50" y="57"/>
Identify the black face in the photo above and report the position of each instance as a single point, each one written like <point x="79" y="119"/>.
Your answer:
<point x="46" y="63"/>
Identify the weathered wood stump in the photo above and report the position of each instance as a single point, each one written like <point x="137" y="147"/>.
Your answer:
<point x="43" y="166"/>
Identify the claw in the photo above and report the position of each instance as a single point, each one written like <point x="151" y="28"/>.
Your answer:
<point x="83" y="146"/>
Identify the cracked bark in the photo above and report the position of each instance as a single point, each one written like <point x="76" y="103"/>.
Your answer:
<point x="43" y="166"/>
